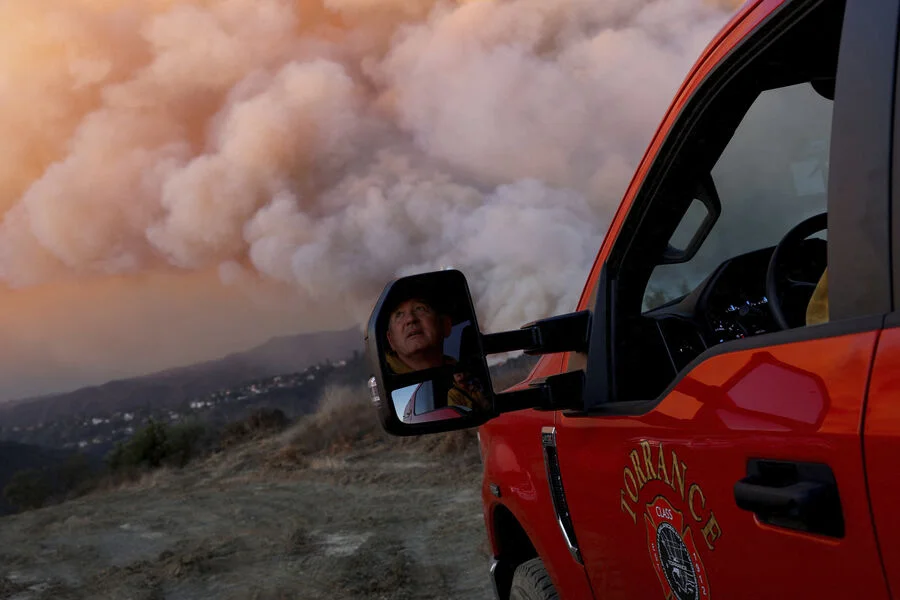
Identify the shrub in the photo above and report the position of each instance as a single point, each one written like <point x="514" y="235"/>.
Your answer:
<point x="28" y="489"/>
<point x="147" y="448"/>
<point x="261" y="422"/>
<point x="76" y="476"/>
<point x="156" y="445"/>
<point x="34" y="488"/>
<point x="184" y="442"/>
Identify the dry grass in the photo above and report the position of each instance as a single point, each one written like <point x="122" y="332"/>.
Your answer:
<point x="230" y="526"/>
<point x="344" y="419"/>
<point x="451" y="443"/>
<point x="262" y="422"/>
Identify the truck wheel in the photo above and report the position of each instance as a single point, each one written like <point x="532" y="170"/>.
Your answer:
<point x="531" y="582"/>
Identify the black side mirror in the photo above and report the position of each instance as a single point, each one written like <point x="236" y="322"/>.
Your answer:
<point x="424" y="344"/>
<point x="428" y="357"/>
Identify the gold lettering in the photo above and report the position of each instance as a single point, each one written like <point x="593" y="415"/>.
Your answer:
<point x="636" y="461"/>
<point x="678" y="474"/>
<point x="663" y="473"/>
<point x="648" y="460"/>
<point x="625" y="507"/>
<point x="631" y="494"/>
<point x="711" y="531"/>
<point x="691" y="491"/>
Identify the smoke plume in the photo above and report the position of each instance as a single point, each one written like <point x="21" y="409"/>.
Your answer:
<point x="331" y="145"/>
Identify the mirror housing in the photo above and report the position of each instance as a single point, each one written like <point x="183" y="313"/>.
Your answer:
<point x="708" y="196"/>
<point x="424" y="348"/>
<point x="428" y="358"/>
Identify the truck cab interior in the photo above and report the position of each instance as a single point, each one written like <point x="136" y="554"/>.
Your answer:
<point x="727" y="238"/>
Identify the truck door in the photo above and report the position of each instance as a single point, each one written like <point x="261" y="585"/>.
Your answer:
<point x="881" y="436"/>
<point x="720" y="454"/>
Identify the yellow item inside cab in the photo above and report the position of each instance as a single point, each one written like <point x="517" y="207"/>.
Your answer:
<point x="817" y="309"/>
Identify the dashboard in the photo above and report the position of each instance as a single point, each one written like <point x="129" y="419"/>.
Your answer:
<point x="731" y="304"/>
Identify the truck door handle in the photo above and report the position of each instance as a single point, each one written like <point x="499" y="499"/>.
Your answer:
<point x="790" y="500"/>
<point x="802" y="496"/>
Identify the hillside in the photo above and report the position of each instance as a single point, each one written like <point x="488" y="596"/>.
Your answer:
<point x="174" y="387"/>
<point x="329" y="508"/>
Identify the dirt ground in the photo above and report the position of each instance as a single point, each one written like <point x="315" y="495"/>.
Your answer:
<point x="376" y="524"/>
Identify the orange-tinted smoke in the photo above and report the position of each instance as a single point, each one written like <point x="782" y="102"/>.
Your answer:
<point x="329" y="145"/>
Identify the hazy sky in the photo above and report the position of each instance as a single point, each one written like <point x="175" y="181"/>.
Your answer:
<point x="183" y="178"/>
<point x="60" y="335"/>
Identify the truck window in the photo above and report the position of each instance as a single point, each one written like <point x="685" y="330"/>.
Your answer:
<point x="760" y="136"/>
<point x="771" y="175"/>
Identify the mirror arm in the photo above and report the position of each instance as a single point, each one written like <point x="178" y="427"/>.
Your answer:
<point x="508" y="341"/>
<point x="557" y="392"/>
<point x="530" y="397"/>
<point x="563" y="333"/>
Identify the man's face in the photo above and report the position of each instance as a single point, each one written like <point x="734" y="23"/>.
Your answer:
<point x="416" y="330"/>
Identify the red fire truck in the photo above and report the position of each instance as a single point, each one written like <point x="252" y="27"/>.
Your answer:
<point x="716" y="418"/>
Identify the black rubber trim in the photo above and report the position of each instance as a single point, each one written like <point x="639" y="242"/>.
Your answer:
<point x="892" y="320"/>
<point x="768" y="340"/>
<point x="597" y="381"/>
<point x="501" y="578"/>
<point x="895" y="179"/>
<point x="514" y="547"/>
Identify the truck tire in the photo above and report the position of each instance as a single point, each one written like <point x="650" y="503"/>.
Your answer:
<point x="531" y="582"/>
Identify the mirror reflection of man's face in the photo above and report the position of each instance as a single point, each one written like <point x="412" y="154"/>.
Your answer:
<point x="416" y="333"/>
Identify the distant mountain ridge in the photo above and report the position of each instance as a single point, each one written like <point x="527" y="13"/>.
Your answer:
<point x="172" y="387"/>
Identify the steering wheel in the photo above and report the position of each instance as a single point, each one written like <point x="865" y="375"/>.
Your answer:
<point x="800" y="232"/>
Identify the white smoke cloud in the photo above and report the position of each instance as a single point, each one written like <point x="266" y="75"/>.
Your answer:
<point x="332" y="144"/>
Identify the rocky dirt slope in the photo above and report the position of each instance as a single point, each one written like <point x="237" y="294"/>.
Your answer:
<point x="392" y="519"/>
